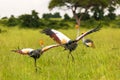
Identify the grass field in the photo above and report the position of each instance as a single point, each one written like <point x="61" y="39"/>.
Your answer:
<point x="101" y="63"/>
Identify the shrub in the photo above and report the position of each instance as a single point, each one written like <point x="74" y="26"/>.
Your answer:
<point x="12" y="21"/>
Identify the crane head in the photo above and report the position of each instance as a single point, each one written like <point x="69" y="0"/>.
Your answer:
<point x="91" y="44"/>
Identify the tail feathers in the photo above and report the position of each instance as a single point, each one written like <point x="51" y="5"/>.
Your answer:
<point x="19" y="51"/>
<point x="14" y="50"/>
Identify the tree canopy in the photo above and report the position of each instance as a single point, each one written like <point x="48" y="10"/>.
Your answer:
<point x="50" y="15"/>
<point x="30" y="20"/>
<point x="87" y="5"/>
<point x="82" y="3"/>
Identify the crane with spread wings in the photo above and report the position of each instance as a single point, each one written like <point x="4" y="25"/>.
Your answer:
<point x="34" y="53"/>
<point x="66" y="42"/>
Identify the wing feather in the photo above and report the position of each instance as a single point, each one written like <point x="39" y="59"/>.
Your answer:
<point x="49" y="47"/>
<point x="24" y="51"/>
<point x="88" y="32"/>
<point x="56" y="36"/>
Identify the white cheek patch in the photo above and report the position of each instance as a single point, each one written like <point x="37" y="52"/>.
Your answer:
<point x="89" y="44"/>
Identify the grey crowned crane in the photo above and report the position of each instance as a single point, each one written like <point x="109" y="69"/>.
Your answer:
<point x="34" y="53"/>
<point x="66" y="42"/>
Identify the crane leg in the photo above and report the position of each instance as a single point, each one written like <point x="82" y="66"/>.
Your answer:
<point x="71" y="56"/>
<point x="35" y="65"/>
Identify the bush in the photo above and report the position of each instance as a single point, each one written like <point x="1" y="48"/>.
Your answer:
<point x="29" y="21"/>
<point x="12" y="21"/>
<point x="66" y="17"/>
<point x="56" y="15"/>
<point x="111" y="16"/>
<point x="49" y="15"/>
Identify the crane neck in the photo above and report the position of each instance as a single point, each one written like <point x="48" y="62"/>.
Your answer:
<point x="78" y="32"/>
<point x="83" y="39"/>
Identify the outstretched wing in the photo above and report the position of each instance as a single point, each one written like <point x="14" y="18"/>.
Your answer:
<point x="88" y="32"/>
<point x="24" y="51"/>
<point x="56" y="36"/>
<point x="49" y="47"/>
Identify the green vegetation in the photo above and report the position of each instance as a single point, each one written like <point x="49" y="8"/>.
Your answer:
<point x="97" y="7"/>
<point x="49" y="15"/>
<point x="29" y="21"/>
<point x="101" y="63"/>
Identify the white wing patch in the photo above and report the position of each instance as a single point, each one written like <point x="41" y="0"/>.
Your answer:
<point x="50" y="46"/>
<point x="61" y="36"/>
<point x="27" y="50"/>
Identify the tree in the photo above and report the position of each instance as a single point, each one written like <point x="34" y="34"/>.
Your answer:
<point x="35" y="19"/>
<point x="98" y="12"/>
<point x="12" y="21"/>
<point x="56" y="15"/>
<point x="111" y="13"/>
<point x="85" y="16"/>
<point x="66" y="17"/>
<point x="47" y="15"/>
<point x="30" y="20"/>
<point x="35" y="15"/>
<point x="78" y="5"/>
<point x="26" y="20"/>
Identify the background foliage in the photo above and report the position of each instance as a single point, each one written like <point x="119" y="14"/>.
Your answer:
<point x="33" y="21"/>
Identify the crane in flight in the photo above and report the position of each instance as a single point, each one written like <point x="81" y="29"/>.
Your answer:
<point x="66" y="42"/>
<point x="34" y="53"/>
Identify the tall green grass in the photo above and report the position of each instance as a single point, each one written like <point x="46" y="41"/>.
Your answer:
<point x="101" y="63"/>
